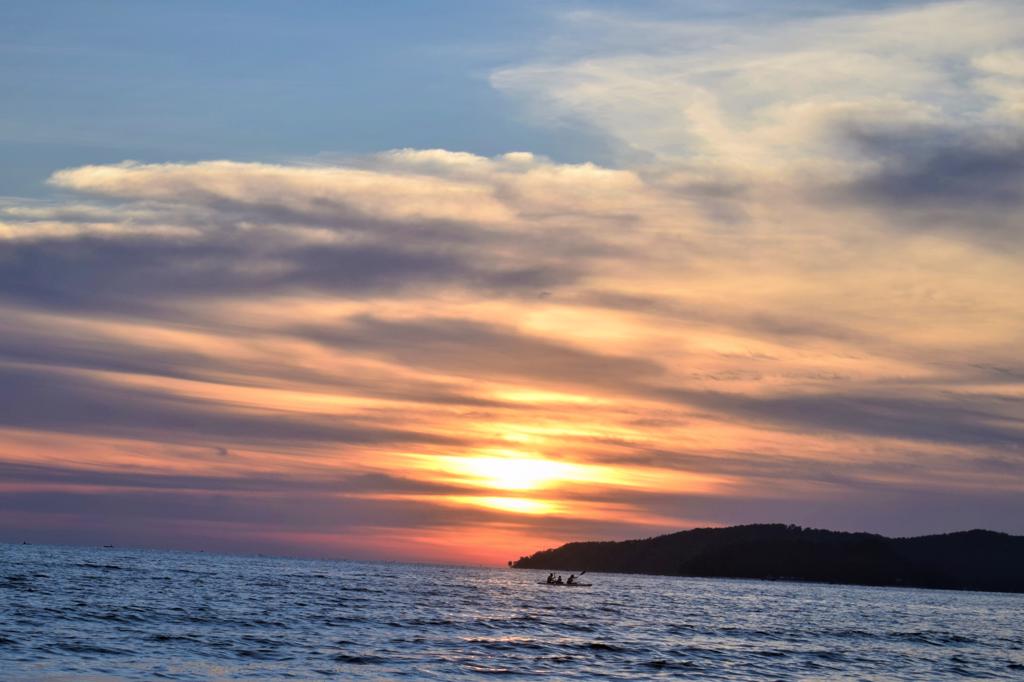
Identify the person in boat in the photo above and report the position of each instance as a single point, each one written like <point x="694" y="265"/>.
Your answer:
<point x="558" y="581"/>
<point x="571" y="580"/>
<point x="551" y="578"/>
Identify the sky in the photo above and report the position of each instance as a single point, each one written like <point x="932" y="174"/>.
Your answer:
<point x="459" y="281"/>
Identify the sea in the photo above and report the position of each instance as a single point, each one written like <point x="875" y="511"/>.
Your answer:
<point x="73" y="613"/>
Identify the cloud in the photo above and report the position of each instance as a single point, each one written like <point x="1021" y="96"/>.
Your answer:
<point x="324" y="192"/>
<point x="54" y="341"/>
<point x="64" y="402"/>
<point x="317" y="481"/>
<point x="759" y="323"/>
<point x="971" y="181"/>
<point x="467" y="348"/>
<point x="951" y="419"/>
<point x="129" y="275"/>
<point x="799" y="270"/>
<point x="767" y="97"/>
<point x="415" y="189"/>
<point x="890" y="510"/>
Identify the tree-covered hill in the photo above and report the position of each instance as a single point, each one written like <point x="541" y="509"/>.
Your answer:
<point x="969" y="560"/>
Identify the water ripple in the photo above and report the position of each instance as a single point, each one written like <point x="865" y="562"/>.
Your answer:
<point x="141" y="615"/>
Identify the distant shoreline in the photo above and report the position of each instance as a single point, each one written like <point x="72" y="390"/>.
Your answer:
<point x="976" y="560"/>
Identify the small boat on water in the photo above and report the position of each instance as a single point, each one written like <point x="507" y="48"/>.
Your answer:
<point x="573" y="581"/>
<point x="542" y="582"/>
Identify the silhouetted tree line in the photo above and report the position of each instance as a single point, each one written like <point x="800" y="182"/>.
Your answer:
<point x="969" y="560"/>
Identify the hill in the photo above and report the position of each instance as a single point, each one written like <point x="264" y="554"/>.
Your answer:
<point x="969" y="560"/>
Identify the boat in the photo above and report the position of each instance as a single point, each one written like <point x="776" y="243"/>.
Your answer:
<point x="542" y="582"/>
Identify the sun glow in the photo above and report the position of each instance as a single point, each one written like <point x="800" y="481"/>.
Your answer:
<point x="516" y="471"/>
<point x="517" y="505"/>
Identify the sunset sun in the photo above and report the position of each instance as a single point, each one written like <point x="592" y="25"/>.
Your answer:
<point x="517" y="472"/>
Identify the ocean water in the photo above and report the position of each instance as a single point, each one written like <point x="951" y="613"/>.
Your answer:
<point x="110" y="614"/>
